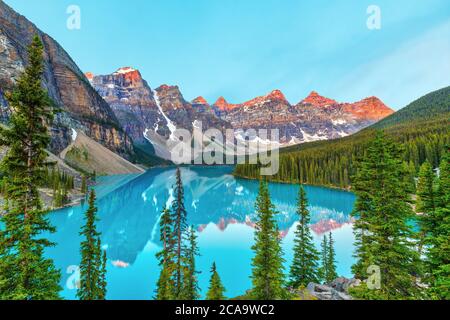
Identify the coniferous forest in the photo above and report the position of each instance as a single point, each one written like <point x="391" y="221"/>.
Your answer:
<point x="422" y="129"/>
<point x="398" y="169"/>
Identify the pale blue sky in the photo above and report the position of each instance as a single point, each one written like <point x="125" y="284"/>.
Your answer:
<point x="244" y="48"/>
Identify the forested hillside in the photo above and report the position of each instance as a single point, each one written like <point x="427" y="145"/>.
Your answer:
<point x="422" y="127"/>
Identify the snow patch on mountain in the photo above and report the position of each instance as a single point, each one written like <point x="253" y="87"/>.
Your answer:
<point x="338" y="122"/>
<point x="125" y="70"/>
<point x="74" y="134"/>
<point x="170" y="124"/>
<point x="308" y="137"/>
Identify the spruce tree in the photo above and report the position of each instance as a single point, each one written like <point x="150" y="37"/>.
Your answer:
<point x="179" y="216"/>
<point x="83" y="185"/>
<point x="426" y="202"/>
<point x="304" y="268"/>
<point x="165" y="288"/>
<point x="103" y="283"/>
<point x="323" y="275"/>
<point x="190" y="290"/>
<point x="216" y="289"/>
<point x="426" y="206"/>
<point x="438" y="254"/>
<point x="331" y="273"/>
<point x="267" y="264"/>
<point x="382" y="210"/>
<point x="29" y="275"/>
<point x="92" y="283"/>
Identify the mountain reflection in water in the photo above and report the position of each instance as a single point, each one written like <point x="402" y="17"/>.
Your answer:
<point x="219" y="206"/>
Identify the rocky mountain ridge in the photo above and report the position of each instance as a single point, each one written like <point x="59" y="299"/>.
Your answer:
<point x="148" y="114"/>
<point x="120" y="109"/>
<point x="82" y="107"/>
<point x="314" y="118"/>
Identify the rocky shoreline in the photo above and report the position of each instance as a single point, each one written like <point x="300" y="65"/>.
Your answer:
<point x="336" y="290"/>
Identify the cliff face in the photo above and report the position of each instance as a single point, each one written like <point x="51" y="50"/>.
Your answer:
<point x="147" y="114"/>
<point x="132" y="101"/>
<point x="82" y="107"/>
<point x="153" y="115"/>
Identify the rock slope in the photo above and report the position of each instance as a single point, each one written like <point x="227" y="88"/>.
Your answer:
<point x="83" y="108"/>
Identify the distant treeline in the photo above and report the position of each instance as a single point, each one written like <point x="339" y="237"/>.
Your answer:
<point x="422" y="129"/>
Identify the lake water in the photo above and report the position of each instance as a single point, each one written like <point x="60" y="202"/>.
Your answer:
<point x="219" y="206"/>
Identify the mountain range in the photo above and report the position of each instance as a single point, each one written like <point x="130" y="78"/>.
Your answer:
<point x="146" y="113"/>
<point x="421" y="128"/>
<point x="122" y="112"/>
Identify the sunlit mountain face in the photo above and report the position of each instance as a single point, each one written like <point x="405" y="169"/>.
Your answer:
<point x="220" y="208"/>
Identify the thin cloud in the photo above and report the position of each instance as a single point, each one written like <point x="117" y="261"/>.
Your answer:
<point x="415" y="68"/>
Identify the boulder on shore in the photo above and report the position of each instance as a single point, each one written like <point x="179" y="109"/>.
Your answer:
<point x="336" y="290"/>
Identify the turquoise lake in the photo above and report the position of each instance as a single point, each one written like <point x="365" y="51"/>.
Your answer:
<point x="220" y="207"/>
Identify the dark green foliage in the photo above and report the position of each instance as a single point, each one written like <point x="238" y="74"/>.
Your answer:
<point x="103" y="283"/>
<point x="327" y="270"/>
<point x="55" y="179"/>
<point x="93" y="262"/>
<point x="422" y="128"/>
<point x="425" y="189"/>
<point x="179" y="228"/>
<point x="24" y="272"/>
<point x="84" y="188"/>
<point x="178" y="277"/>
<point x="61" y="183"/>
<point x="145" y="154"/>
<point x="323" y="259"/>
<point x="330" y="268"/>
<point x="426" y="202"/>
<point x="267" y="272"/>
<point x="216" y="289"/>
<point x="438" y="236"/>
<point x="190" y="290"/>
<point x="304" y="268"/>
<point x="165" y="288"/>
<point x="382" y="211"/>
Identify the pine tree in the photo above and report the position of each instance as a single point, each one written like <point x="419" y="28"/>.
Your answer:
<point x="323" y="276"/>
<point x="426" y="196"/>
<point x="216" y="289"/>
<point x="28" y="274"/>
<point x="190" y="290"/>
<point x="84" y="189"/>
<point x="383" y="210"/>
<point x="103" y="283"/>
<point x="426" y="205"/>
<point x="438" y="255"/>
<point x="304" y="268"/>
<point x="165" y="288"/>
<point x="91" y="276"/>
<point x="267" y="272"/>
<point x="331" y="273"/>
<point x="179" y="216"/>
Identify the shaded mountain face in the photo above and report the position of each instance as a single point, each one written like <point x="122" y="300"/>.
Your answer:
<point x="132" y="101"/>
<point x="148" y="114"/>
<point x="83" y="108"/>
